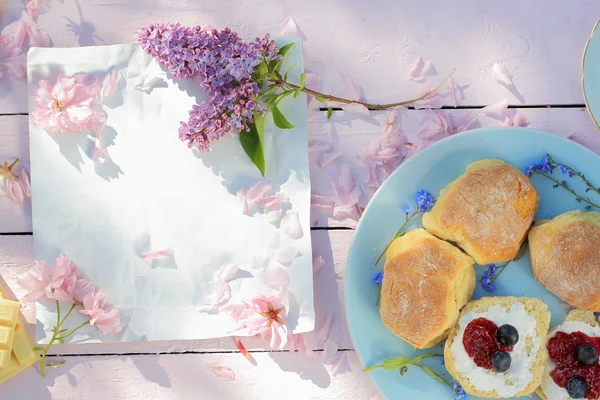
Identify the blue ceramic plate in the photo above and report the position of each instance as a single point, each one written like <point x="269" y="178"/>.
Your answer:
<point x="432" y="169"/>
<point x="590" y="80"/>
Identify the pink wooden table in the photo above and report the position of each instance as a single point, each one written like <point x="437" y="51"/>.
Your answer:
<point x="375" y="43"/>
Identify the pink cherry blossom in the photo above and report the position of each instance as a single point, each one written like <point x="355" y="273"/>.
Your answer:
<point x="67" y="106"/>
<point x="10" y="58"/>
<point x="56" y="284"/>
<point x="35" y="280"/>
<point x="78" y="288"/>
<point x="16" y="187"/>
<point x="264" y="315"/>
<point x="222" y="371"/>
<point x="106" y="320"/>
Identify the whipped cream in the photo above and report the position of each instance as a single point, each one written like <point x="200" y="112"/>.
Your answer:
<point x="550" y="388"/>
<point x="519" y="373"/>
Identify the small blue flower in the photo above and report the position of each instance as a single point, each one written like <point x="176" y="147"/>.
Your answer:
<point x="487" y="277"/>
<point x="460" y="392"/>
<point x="424" y="200"/>
<point x="531" y="167"/>
<point x="378" y="277"/>
<point x="564" y="183"/>
<point x="563" y="169"/>
<point x="443" y="363"/>
<point x="545" y="165"/>
<point x="406" y="208"/>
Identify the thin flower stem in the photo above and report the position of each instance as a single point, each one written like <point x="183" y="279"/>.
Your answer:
<point x="417" y="211"/>
<point x="568" y="189"/>
<point x="57" y="314"/>
<point x="502" y="268"/>
<point x="73" y="331"/>
<point x="68" y="313"/>
<point x="281" y="83"/>
<point x="575" y="173"/>
<point x="13" y="164"/>
<point x="52" y="340"/>
<point x="441" y="379"/>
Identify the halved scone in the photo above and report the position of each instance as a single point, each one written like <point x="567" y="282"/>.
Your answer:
<point x="569" y="359"/>
<point x="487" y="211"/>
<point x="565" y="257"/>
<point x="426" y="282"/>
<point x="496" y="349"/>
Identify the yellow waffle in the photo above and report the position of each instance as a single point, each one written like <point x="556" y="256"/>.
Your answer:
<point x="20" y="354"/>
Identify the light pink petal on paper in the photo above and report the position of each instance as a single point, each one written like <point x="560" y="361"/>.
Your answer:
<point x="454" y="92"/>
<point x="357" y="109"/>
<point x="465" y="120"/>
<point x="110" y="83"/>
<point x="287" y="254"/>
<point x="290" y="224"/>
<point x="435" y="125"/>
<point x="415" y="70"/>
<point x="332" y="359"/>
<point x="519" y="119"/>
<point x="20" y="33"/>
<point x="275" y="277"/>
<point x="278" y="336"/>
<point x="252" y="195"/>
<point x="496" y="109"/>
<point x="150" y="78"/>
<point x="501" y="74"/>
<point x="328" y="158"/>
<point x="25" y="183"/>
<point x="433" y="101"/>
<point x="228" y="272"/>
<point x="222" y="371"/>
<point x="15" y="67"/>
<point x="289" y="27"/>
<point x="270" y="202"/>
<point x="157" y="254"/>
<point x="323" y="204"/>
<point x="99" y="154"/>
<point x="389" y="125"/>
<point x="322" y="332"/>
<point x="302" y="343"/>
<point x="318" y="264"/>
<point x="353" y="88"/>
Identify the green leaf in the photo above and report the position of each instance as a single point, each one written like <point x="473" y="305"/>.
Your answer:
<point x="321" y="99"/>
<point x="280" y="120"/>
<point x="251" y="141"/>
<point x="429" y="372"/>
<point x="285" y="49"/>
<point x="399" y="234"/>
<point x="56" y="364"/>
<point x="329" y="113"/>
<point x="297" y="92"/>
<point x="521" y="252"/>
<point x="288" y="71"/>
<point x="268" y="92"/>
<point x="302" y="78"/>
<point x="261" y="69"/>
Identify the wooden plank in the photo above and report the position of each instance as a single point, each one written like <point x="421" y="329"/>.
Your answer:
<point x="16" y="255"/>
<point x="276" y="376"/>
<point x="347" y="133"/>
<point x="375" y="43"/>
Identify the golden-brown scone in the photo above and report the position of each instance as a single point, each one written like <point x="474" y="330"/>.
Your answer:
<point x="487" y="211"/>
<point x="576" y="321"/>
<point x="531" y="318"/>
<point x="426" y="282"/>
<point x="565" y="257"/>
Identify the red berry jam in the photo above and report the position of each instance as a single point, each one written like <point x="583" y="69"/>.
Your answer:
<point x="481" y="343"/>
<point x="562" y="349"/>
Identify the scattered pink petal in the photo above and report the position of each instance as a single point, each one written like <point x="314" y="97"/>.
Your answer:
<point x="347" y="194"/>
<point x="251" y="196"/>
<point x="435" y="125"/>
<point x="222" y="372"/>
<point x="312" y="81"/>
<point x="33" y="6"/>
<point x="501" y="74"/>
<point x="318" y="264"/>
<point x="322" y="333"/>
<point x="221" y="290"/>
<point x="517" y="120"/>
<point x="10" y="58"/>
<point x="290" y="224"/>
<point x="434" y="100"/>
<point x="276" y="278"/>
<point x="99" y="155"/>
<point x="496" y="109"/>
<point x="355" y="108"/>
<point x="228" y="272"/>
<point x="465" y="120"/>
<point x="242" y="348"/>
<point x="287" y="254"/>
<point x="454" y="91"/>
<point x="332" y="359"/>
<point x="37" y="37"/>
<point x="24" y="181"/>
<point x="15" y="186"/>
<point x="157" y="255"/>
<point x="150" y="77"/>
<point x="415" y="70"/>
<point x="323" y="204"/>
<point x="302" y="343"/>
<point x="389" y="125"/>
<point x="289" y="27"/>
<point x="329" y="158"/>
<point x="110" y="83"/>
<point x="354" y="89"/>
<point x="416" y="147"/>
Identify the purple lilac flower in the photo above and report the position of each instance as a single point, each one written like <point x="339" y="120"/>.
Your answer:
<point x="378" y="278"/>
<point x="223" y="64"/>
<point x="460" y="392"/>
<point x="486" y="278"/>
<point x="424" y="200"/>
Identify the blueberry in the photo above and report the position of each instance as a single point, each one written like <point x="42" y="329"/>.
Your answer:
<point x="587" y="354"/>
<point x="507" y="335"/>
<point x="576" y="388"/>
<point x="501" y="361"/>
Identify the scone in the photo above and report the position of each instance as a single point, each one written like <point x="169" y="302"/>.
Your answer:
<point x="426" y="282"/>
<point x="572" y="370"/>
<point x="487" y="211"/>
<point x="565" y="257"/>
<point x="496" y="349"/>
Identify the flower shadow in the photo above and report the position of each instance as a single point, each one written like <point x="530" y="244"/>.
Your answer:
<point x="84" y="30"/>
<point x="310" y="370"/>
